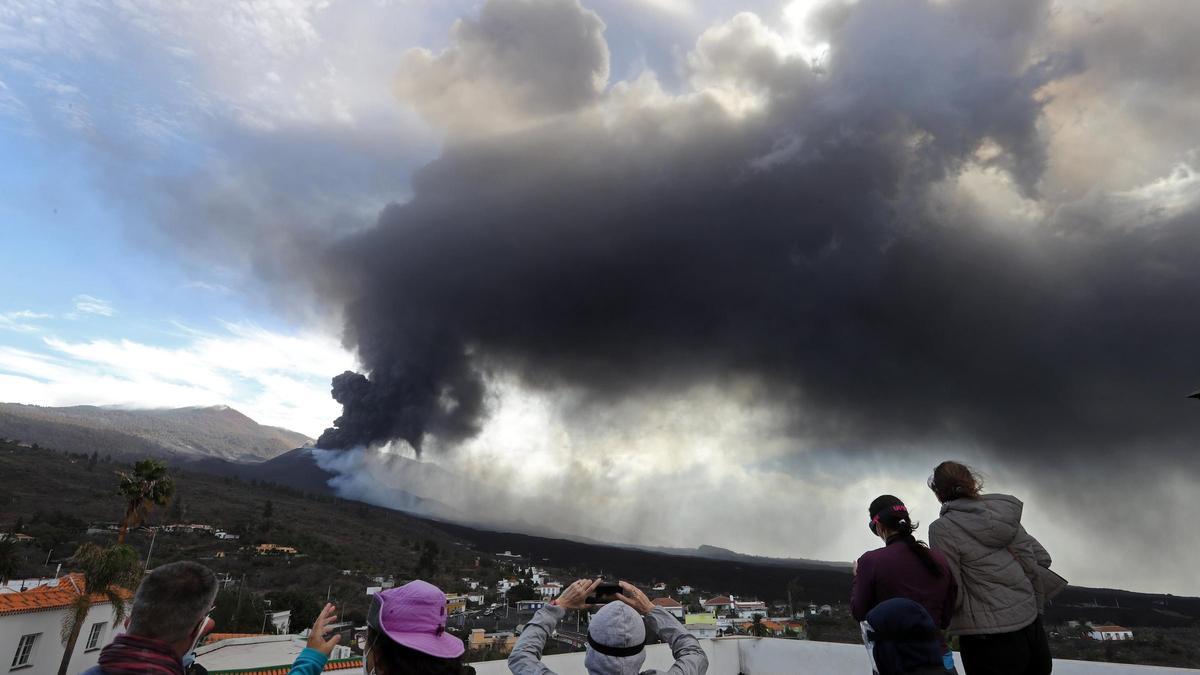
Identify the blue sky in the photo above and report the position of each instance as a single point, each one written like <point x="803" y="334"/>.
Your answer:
<point x="148" y="150"/>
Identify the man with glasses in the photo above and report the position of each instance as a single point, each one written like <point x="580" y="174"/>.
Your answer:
<point x="169" y="616"/>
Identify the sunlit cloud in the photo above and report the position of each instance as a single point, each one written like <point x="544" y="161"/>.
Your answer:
<point x="277" y="379"/>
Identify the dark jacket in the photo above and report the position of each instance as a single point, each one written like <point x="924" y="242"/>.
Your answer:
<point x="1002" y="572"/>
<point x="894" y="571"/>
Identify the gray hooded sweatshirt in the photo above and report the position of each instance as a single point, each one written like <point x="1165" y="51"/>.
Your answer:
<point x="690" y="659"/>
<point x="1002" y="572"/>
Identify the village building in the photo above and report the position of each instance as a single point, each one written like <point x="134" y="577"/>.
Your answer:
<point x="31" y="626"/>
<point x="1110" y="632"/>
<point x="718" y="605"/>
<point x="671" y="605"/>
<point x="480" y="639"/>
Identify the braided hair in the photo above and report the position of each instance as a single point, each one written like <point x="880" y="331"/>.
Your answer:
<point x="892" y="514"/>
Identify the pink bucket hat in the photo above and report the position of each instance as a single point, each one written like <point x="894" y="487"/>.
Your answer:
<point x="414" y="615"/>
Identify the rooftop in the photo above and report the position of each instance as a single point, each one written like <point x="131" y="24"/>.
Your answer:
<point x="54" y="594"/>
<point x="666" y="602"/>
<point x="771" y="656"/>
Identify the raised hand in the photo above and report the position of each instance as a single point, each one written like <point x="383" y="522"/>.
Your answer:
<point x="635" y="598"/>
<point x="575" y="596"/>
<point x="316" y="637"/>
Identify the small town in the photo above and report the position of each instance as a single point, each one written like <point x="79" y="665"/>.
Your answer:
<point x="489" y="596"/>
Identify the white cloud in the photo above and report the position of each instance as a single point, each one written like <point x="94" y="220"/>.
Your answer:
<point x="277" y="379"/>
<point x="21" y="321"/>
<point x="88" y="304"/>
<point x="221" y="289"/>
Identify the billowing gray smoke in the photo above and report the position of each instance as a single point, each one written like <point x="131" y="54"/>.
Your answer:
<point x="782" y="221"/>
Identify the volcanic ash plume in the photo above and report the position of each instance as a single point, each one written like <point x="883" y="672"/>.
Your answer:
<point x="804" y="225"/>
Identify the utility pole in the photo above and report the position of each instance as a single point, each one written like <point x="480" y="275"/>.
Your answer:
<point x="238" y="606"/>
<point x="151" y="550"/>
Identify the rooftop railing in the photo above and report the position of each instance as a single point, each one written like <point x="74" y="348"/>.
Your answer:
<point x="775" y="656"/>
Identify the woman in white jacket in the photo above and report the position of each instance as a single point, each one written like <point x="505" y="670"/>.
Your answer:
<point x="1002" y="573"/>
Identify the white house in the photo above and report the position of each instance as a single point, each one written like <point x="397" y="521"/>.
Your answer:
<point x="530" y="605"/>
<point x="672" y="606"/>
<point x="684" y="590"/>
<point x="1110" y="632"/>
<point x="550" y="591"/>
<point x="718" y="605"/>
<point x="747" y="610"/>
<point x="31" y="626"/>
<point x="280" y="622"/>
<point x="475" y="598"/>
<point x="228" y="536"/>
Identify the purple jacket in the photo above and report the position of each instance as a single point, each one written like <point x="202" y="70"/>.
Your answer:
<point x="895" y="572"/>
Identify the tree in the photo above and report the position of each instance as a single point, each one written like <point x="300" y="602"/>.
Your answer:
<point x="19" y="525"/>
<point x="757" y="629"/>
<point x="427" y="565"/>
<point x="267" y="512"/>
<point x="10" y="558"/>
<point x="91" y="465"/>
<point x="304" y="607"/>
<point x="107" y="572"/>
<point x="522" y="591"/>
<point x="148" y="486"/>
<point x="177" y="512"/>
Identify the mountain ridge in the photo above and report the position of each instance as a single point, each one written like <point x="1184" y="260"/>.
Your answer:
<point x="167" y="433"/>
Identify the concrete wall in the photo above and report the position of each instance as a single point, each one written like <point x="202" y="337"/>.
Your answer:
<point x="49" y="648"/>
<point x="768" y="656"/>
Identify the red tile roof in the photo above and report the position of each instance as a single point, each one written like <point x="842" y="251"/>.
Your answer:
<point x="46" y="597"/>
<point x="666" y="602"/>
<point x="719" y="600"/>
<point x="340" y="664"/>
<point x="1111" y="629"/>
<point x="217" y="637"/>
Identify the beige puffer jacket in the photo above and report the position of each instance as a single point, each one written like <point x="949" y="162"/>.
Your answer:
<point x="1002" y="572"/>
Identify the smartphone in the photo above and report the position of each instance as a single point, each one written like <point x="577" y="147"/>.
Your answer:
<point x="604" y="594"/>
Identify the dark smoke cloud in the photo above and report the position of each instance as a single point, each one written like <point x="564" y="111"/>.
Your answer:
<point x="636" y="241"/>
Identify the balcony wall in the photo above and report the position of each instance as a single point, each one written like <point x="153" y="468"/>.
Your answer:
<point x="771" y="656"/>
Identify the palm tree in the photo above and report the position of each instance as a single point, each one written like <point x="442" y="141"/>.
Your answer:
<point x="107" y="572"/>
<point x="148" y="486"/>
<point x="757" y="629"/>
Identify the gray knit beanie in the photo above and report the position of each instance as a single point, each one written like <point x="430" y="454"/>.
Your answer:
<point x="616" y="625"/>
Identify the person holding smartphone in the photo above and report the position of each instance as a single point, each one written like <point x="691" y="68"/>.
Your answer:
<point x="616" y="638"/>
<point x="170" y="615"/>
